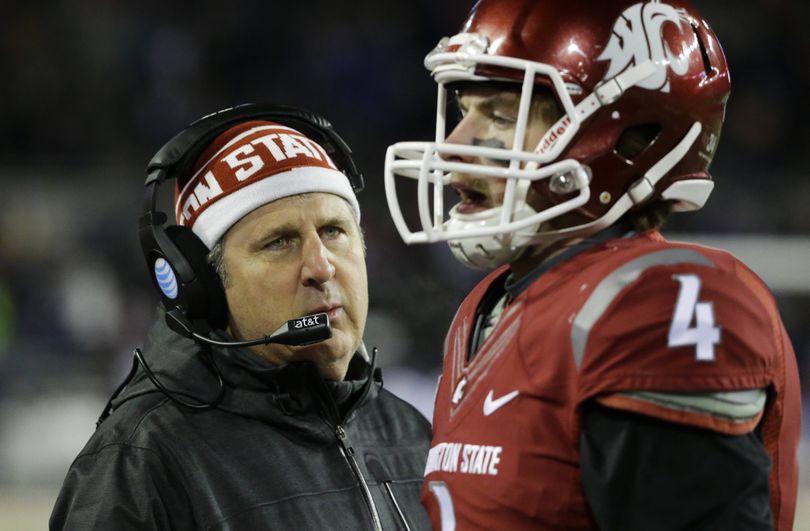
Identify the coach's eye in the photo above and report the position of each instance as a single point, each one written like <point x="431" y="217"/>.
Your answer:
<point x="278" y="243"/>
<point x="332" y="231"/>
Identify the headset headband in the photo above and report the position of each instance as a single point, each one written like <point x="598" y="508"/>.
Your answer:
<point x="182" y="151"/>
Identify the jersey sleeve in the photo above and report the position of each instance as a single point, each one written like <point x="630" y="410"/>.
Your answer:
<point x="687" y="342"/>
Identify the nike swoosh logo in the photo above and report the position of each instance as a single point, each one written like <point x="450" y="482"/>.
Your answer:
<point x="493" y="404"/>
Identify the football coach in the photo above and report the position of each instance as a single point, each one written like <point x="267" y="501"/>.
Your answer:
<point x="254" y="403"/>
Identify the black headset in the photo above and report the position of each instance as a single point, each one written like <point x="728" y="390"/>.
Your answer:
<point x="176" y="258"/>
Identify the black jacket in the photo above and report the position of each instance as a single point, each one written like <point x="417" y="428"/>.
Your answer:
<point x="278" y="452"/>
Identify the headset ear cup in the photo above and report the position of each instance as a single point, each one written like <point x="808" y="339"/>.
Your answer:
<point x="204" y="295"/>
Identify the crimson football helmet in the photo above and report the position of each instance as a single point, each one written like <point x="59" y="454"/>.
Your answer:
<point x="613" y="66"/>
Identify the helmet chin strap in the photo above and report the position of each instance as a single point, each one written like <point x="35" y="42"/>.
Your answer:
<point x="612" y="89"/>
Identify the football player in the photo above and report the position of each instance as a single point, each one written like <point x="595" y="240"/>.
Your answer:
<point x="600" y="377"/>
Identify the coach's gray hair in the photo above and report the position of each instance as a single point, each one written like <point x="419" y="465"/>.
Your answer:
<point x="217" y="260"/>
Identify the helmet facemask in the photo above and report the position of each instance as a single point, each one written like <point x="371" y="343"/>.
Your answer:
<point x="492" y="237"/>
<point x="497" y="235"/>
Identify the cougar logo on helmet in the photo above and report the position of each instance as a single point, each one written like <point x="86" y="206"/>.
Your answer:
<point x="638" y="36"/>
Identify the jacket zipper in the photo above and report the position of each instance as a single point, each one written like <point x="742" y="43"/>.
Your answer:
<point x="348" y="453"/>
<point x="331" y="410"/>
<point x="387" y="485"/>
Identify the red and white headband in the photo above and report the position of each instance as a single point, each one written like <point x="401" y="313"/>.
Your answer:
<point x="250" y="165"/>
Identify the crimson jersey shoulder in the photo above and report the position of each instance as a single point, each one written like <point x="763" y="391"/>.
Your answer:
<point x="681" y="318"/>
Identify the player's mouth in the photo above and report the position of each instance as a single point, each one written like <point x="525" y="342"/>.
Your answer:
<point x="472" y="200"/>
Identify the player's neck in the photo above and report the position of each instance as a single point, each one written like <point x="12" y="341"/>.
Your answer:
<point x="538" y="254"/>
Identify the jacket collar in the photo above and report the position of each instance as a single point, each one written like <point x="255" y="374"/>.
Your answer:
<point x="289" y="394"/>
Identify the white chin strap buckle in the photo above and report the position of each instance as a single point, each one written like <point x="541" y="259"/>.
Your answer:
<point x="640" y="191"/>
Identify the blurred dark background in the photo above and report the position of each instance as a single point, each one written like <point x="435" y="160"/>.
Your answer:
<point x="91" y="89"/>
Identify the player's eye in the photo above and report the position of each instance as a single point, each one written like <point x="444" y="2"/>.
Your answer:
<point x="503" y="120"/>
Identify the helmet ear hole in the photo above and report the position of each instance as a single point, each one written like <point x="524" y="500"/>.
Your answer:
<point x="634" y="140"/>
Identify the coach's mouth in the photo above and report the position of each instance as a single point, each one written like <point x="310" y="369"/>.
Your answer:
<point x="333" y="310"/>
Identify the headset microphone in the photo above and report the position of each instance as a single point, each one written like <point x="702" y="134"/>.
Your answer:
<point x="301" y="331"/>
<point x="304" y="330"/>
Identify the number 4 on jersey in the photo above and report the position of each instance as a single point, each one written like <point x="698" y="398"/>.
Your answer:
<point x="704" y="335"/>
